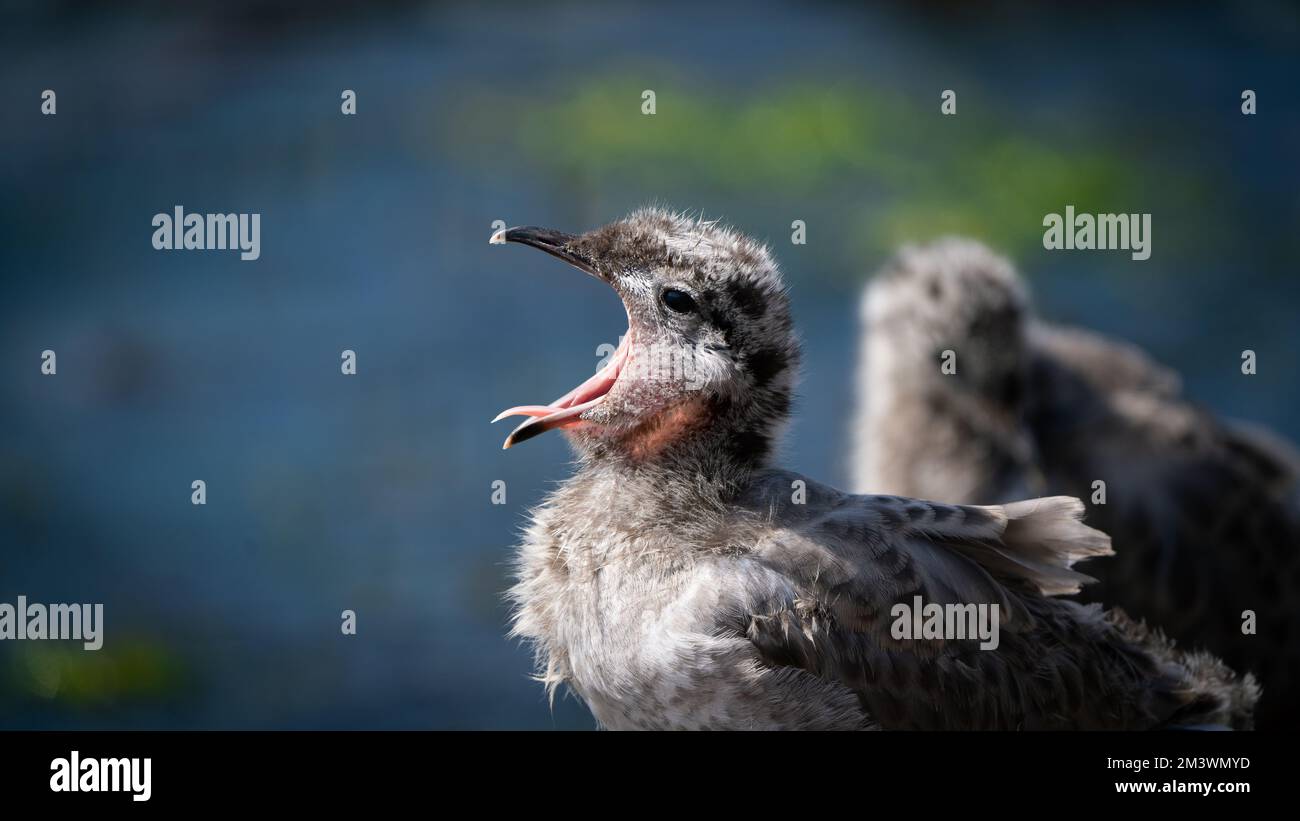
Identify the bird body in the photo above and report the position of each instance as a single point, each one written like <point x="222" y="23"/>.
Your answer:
<point x="759" y="613"/>
<point x="642" y="618"/>
<point x="679" y="581"/>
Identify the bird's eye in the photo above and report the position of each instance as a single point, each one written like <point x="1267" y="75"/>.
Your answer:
<point x="678" y="301"/>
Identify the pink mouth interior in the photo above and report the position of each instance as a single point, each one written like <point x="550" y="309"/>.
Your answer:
<point x="564" y="412"/>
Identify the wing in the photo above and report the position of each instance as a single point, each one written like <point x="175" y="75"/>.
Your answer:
<point x="1203" y="514"/>
<point x="851" y="560"/>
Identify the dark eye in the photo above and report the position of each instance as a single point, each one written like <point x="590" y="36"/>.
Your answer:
<point x="678" y="301"/>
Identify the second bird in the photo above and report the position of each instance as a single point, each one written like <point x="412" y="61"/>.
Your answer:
<point x="1203" y="511"/>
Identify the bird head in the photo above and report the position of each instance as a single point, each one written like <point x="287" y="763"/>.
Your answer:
<point x="709" y="357"/>
<point x="952" y="295"/>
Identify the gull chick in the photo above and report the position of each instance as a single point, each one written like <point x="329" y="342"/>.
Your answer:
<point x="678" y="580"/>
<point x="1202" y="511"/>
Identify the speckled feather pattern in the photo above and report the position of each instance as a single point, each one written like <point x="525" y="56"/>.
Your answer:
<point x="685" y="588"/>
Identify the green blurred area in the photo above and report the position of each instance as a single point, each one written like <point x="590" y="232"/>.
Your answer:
<point x="127" y="669"/>
<point x="901" y="172"/>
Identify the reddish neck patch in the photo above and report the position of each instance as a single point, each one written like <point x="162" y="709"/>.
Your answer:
<point x="652" y="437"/>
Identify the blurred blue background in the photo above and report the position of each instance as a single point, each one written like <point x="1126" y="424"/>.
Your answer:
<point x="373" y="492"/>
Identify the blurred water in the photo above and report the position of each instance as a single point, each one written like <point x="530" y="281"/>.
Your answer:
<point x="372" y="493"/>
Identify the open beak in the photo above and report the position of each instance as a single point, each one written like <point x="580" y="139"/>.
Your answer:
<point x="566" y="411"/>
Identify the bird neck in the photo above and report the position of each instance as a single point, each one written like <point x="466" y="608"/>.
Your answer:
<point x="711" y="443"/>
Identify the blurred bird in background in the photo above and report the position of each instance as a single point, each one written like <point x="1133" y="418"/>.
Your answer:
<point x="1203" y="511"/>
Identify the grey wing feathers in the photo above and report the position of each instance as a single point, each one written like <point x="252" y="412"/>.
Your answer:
<point x="872" y="551"/>
<point x="849" y="559"/>
<point x="1045" y="538"/>
<point x="856" y="556"/>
